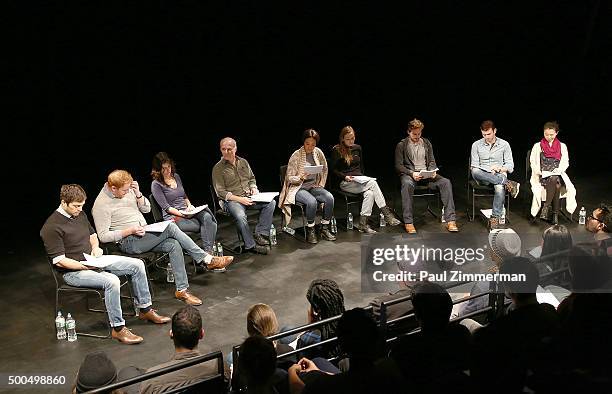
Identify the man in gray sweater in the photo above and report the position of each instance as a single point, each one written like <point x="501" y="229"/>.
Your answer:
<point x="414" y="154"/>
<point x="118" y="215"/>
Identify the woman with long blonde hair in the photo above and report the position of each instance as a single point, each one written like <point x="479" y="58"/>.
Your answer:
<point x="347" y="166"/>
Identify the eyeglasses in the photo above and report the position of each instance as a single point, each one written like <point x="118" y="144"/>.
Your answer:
<point x="591" y="217"/>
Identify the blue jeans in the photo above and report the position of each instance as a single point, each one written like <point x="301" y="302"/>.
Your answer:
<point x="238" y="212"/>
<point x="498" y="180"/>
<point x="109" y="281"/>
<point x="172" y="241"/>
<point x="203" y="222"/>
<point x="311" y="198"/>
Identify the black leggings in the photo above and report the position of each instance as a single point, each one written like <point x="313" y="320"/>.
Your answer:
<point x="553" y="190"/>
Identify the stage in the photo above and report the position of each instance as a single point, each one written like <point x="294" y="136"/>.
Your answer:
<point x="279" y="279"/>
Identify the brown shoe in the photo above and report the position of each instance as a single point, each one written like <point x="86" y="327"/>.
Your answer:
<point x="187" y="297"/>
<point x="126" y="336"/>
<point x="218" y="263"/>
<point x="410" y="229"/>
<point x="152" y="316"/>
<point x="493" y="223"/>
<point x="452" y="227"/>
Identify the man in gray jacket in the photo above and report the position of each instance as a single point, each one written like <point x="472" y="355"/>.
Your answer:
<point x="414" y="155"/>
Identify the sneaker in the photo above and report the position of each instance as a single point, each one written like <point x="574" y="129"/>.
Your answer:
<point x="494" y="223"/>
<point x="218" y="263"/>
<point x="258" y="249"/>
<point x="513" y="188"/>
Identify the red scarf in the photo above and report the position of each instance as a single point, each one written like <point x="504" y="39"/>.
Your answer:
<point x="553" y="151"/>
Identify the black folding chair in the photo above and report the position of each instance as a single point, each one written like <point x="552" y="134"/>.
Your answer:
<point x="475" y="190"/>
<point x="63" y="287"/>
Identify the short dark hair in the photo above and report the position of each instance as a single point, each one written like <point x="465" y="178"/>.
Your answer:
<point x="551" y="125"/>
<point x="257" y="360"/>
<point x="358" y="335"/>
<point x="432" y="305"/>
<point x="186" y="327"/>
<point x="589" y="269"/>
<point x="605" y="217"/>
<point x="311" y="133"/>
<point x="487" y="124"/>
<point x="521" y="265"/>
<point x="71" y="193"/>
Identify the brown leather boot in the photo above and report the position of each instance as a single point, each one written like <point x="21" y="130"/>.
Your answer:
<point x="126" y="336"/>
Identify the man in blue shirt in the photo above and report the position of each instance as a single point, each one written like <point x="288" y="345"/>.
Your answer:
<point x="491" y="162"/>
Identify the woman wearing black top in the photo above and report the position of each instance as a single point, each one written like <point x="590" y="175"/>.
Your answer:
<point x="347" y="165"/>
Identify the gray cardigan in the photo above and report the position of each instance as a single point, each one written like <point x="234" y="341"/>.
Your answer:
<point x="404" y="164"/>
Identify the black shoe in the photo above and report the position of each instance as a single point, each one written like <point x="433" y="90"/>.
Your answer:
<point x="258" y="249"/>
<point x="261" y="240"/>
<point x="311" y="235"/>
<point x="326" y="234"/>
<point x="544" y="212"/>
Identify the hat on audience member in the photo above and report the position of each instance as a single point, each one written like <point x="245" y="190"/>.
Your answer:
<point x="97" y="370"/>
<point x="505" y="242"/>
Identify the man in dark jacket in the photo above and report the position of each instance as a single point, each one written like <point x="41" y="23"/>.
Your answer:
<point x="416" y="165"/>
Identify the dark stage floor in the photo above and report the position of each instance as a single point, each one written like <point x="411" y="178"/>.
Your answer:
<point x="279" y="279"/>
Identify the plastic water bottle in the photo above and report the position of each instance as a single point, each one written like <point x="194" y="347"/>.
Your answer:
<point x="349" y="221"/>
<point x="60" y="326"/>
<point x="219" y="249"/>
<point x="215" y="250"/>
<point x="383" y="223"/>
<point x="502" y="219"/>
<point x="71" y="328"/>
<point x="289" y="230"/>
<point x="582" y="216"/>
<point x="442" y="216"/>
<point x="272" y="235"/>
<point x="169" y="274"/>
<point x="333" y="225"/>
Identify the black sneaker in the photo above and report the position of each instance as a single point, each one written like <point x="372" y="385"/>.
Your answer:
<point x="261" y="240"/>
<point x="513" y="188"/>
<point x="258" y="249"/>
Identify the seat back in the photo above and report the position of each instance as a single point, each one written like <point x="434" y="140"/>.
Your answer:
<point x="155" y="209"/>
<point x="218" y="210"/>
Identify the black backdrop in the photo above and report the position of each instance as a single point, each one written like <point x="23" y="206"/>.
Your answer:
<point x="104" y="86"/>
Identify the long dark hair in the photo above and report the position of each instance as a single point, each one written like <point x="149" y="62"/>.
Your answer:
<point x="557" y="238"/>
<point x="326" y="300"/>
<point x="158" y="161"/>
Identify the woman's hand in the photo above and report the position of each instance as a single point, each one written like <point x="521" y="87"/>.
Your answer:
<point x="349" y="178"/>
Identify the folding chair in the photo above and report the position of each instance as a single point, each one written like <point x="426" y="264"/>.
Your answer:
<point x="475" y="189"/>
<point x="62" y="287"/>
